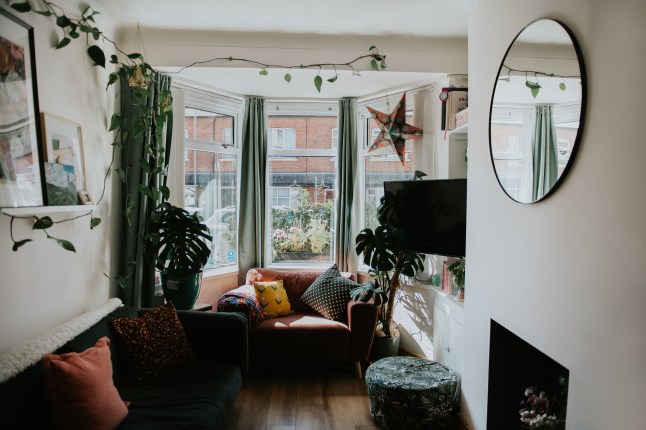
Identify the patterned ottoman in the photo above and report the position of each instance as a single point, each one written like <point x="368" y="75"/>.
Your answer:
<point x="412" y="393"/>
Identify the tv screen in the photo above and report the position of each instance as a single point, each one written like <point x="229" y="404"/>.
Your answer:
<point x="430" y="216"/>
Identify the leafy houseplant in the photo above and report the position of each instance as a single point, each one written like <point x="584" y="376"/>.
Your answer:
<point x="456" y="268"/>
<point x="387" y="261"/>
<point x="181" y="251"/>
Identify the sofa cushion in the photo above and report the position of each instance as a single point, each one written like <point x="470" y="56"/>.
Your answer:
<point x="272" y="298"/>
<point x="193" y="397"/>
<point x="81" y="392"/>
<point x="155" y="343"/>
<point x="329" y="294"/>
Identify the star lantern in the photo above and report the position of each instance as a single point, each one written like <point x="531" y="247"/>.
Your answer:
<point x="394" y="130"/>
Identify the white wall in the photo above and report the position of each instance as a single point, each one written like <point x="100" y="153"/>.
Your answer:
<point x="567" y="274"/>
<point x="43" y="285"/>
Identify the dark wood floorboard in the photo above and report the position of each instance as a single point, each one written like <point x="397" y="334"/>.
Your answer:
<point x="315" y="397"/>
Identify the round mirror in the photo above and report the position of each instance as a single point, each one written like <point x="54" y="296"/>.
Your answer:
<point x="537" y="111"/>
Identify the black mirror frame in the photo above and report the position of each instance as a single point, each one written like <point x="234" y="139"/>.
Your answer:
<point x="584" y="102"/>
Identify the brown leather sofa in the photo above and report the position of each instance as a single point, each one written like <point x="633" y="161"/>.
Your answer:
<point x="306" y="335"/>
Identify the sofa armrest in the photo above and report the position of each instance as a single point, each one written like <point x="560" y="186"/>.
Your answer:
<point x="362" y="320"/>
<point x="220" y="337"/>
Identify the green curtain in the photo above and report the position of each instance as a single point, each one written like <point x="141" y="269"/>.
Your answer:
<point x="251" y="225"/>
<point x="137" y="265"/>
<point x="346" y="172"/>
<point x="544" y="152"/>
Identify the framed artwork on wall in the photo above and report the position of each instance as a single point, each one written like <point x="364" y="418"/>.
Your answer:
<point x="21" y="171"/>
<point x="63" y="142"/>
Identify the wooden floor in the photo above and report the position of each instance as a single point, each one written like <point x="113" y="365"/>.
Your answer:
<point x="302" y="398"/>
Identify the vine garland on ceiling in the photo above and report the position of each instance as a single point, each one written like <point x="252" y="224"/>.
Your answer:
<point x="534" y="86"/>
<point x="138" y="74"/>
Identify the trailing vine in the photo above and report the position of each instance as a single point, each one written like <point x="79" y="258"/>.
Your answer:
<point x="138" y="75"/>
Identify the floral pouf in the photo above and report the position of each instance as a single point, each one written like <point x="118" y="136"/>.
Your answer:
<point x="412" y="393"/>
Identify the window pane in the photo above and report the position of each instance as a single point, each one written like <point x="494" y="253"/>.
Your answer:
<point x="205" y="126"/>
<point x="211" y="190"/>
<point x="301" y="132"/>
<point x="382" y="165"/>
<point x="301" y="191"/>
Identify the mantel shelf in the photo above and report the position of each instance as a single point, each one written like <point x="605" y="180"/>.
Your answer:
<point x="46" y="210"/>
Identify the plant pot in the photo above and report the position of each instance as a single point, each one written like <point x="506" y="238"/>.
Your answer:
<point x="182" y="292"/>
<point x="383" y="347"/>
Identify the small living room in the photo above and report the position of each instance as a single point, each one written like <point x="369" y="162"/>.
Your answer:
<point x="340" y="215"/>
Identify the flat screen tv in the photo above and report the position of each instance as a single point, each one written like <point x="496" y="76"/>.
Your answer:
<point x="430" y="216"/>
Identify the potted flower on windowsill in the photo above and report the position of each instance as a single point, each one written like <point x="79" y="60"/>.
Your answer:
<point x="387" y="261"/>
<point x="181" y="248"/>
<point x="456" y="268"/>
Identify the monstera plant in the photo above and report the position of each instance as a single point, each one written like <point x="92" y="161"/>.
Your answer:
<point x="382" y="253"/>
<point x="181" y="248"/>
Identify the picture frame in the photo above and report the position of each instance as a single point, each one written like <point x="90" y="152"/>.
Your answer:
<point x="63" y="144"/>
<point x="85" y="197"/>
<point x="22" y="175"/>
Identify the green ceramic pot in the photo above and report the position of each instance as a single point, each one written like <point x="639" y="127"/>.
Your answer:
<point x="182" y="292"/>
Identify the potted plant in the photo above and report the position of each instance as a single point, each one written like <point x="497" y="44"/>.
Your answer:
<point x="456" y="268"/>
<point x="387" y="261"/>
<point x="181" y="251"/>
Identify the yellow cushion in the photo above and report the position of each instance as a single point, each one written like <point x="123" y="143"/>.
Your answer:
<point x="273" y="298"/>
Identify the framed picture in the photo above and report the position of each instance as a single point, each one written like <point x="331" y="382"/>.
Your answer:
<point x="63" y="141"/>
<point x="85" y="198"/>
<point x="22" y="178"/>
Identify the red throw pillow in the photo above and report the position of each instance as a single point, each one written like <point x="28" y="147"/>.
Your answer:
<point x="81" y="391"/>
<point x="154" y="343"/>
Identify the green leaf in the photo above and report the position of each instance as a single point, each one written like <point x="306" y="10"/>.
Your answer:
<point x="120" y="281"/>
<point x="288" y="77"/>
<point x="165" y="192"/>
<point x="63" y="21"/>
<point x="43" y="12"/>
<point x="505" y="78"/>
<point x="134" y="56"/>
<point x="18" y="244"/>
<point x="114" y="76"/>
<point x="374" y="65"/>
<point x="371" y="48"/>
<point x="85" y="28"/>
<point x="96" y="33"/>
<point x="534" y="87"/>
<point x="114" y="59"/>
<point x="383" y="64"/>
<point x="94" y="222"/>
<point x="115" y="122"/>
<point x="66" y="244"/>
<point x="333" y="79"/>
<point x="22" y="8"/>
<point x="74" y="35"/>
<point x="43" y="223"/>
<point x="122" y="174"/>
<point x="97" y="55"/>
<point x="144" y="165"/>
<point x="562" y="86"/>
<point x="63" y="43"/>
<point x="263" y="72"/>
<point x="318" y="81"/>
<point x="155" y="193"/>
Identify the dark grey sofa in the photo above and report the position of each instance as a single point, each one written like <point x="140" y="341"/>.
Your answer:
<point x="198" y="396"/>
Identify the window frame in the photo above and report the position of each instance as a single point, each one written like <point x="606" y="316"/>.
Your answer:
<point x="223" y="105"/>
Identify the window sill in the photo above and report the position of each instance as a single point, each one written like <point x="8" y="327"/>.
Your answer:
<point x="220" y="272"/>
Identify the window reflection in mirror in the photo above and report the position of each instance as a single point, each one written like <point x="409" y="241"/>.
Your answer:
<point x="537" y="111"/>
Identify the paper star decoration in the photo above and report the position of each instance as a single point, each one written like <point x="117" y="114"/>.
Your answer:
<point x="394" y="130"/>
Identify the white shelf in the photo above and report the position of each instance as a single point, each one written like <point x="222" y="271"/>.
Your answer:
<point x="46" y="210"/>
<point x="463" y="130"/>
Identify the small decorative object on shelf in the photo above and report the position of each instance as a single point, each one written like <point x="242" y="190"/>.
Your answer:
<point x="456" y="268"/>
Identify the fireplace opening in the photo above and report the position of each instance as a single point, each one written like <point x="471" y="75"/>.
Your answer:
<point x="522" y="378"/>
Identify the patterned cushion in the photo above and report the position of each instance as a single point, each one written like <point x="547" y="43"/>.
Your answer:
<point x="243" y="299"/>
<point x="154" y="343"/>
<point x="273" y="298"/>
<point x="329" y="294"/>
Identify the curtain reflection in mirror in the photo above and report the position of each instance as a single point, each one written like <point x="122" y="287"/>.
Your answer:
<point x="544" y="153"/>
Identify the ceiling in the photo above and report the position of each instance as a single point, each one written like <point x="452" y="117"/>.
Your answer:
<point x="381" y="18"/>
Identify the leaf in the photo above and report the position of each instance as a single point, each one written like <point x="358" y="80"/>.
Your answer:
<point x="288" y="77"/>
<point x="333" y="79"/>
<point x="114" y="59"/>
<point x="122" y="174"/>
<point x="374" y="65"/>
<point x="134" y="56"/>
<point x="42" y="223"/>
<point x="120" y="281"/>
<point x="534" y="87"/>
<point x="94" y="222"/>
<point x="97" y="55"/>
<point x="66" y="244"/>
<point x="318" y="81"/>
<point x="74" y="35"/>
<point x="85" y="28"/>
<point x="383" y="64"/>
<point x="115" y="122"/>
<point x="96" y="33"/>
<point x="165" y="192"/>
<point x="22" y="8"/>
<point x="505" y="78"/>
<point x="114" y="76"/>
<point x="43" y="12"/>
<point x="372" y="47"/>
<point x="263" y="72"/>
<point x="20" y="243"/>
<point x="144" y="165"/>
<point x="562" y="86"/>
<point x="63" y="43"/>
<point x="63" y="21"/>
